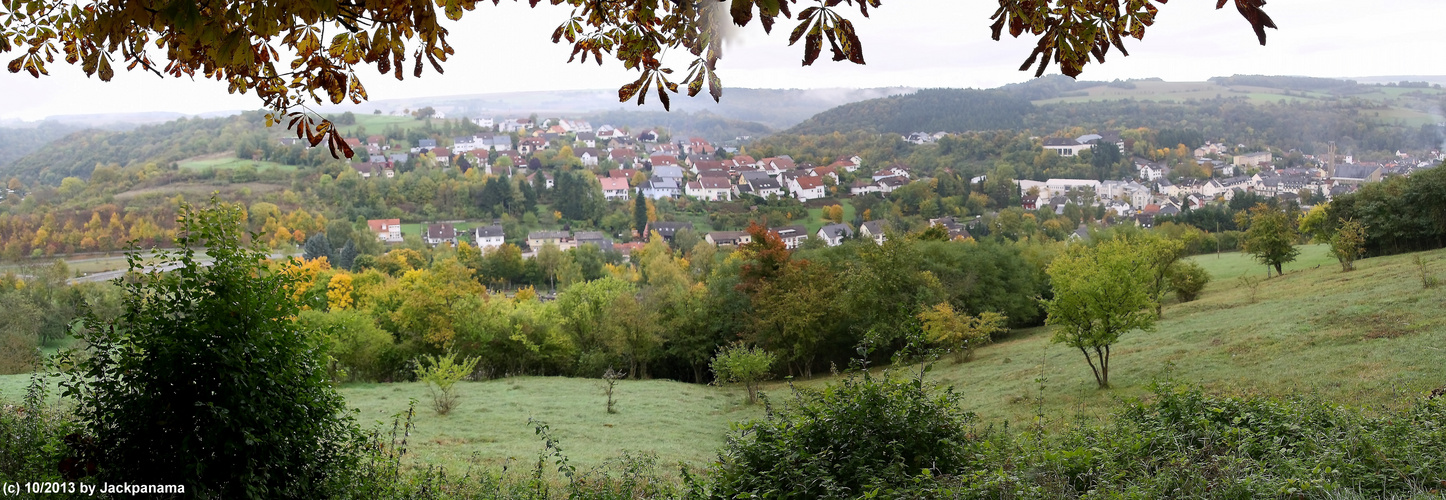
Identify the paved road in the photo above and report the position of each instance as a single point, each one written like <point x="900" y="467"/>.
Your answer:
<point x="110" y="275"/>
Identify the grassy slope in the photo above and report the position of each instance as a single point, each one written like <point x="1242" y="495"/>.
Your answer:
<point x="675" y="420"/>
<point x="1369" y="337"/>
<point x="221" y="161"/>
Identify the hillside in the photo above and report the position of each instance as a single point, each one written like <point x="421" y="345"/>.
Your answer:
<point x="931" y="110"/>
<point x="1370" y="337"/>
<point x="78" y="153"/>
<point x="1366" y="338"/>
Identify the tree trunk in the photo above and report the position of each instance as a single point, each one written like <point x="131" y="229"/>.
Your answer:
<point x="1104" y="367"/>
<point x="1093" y="369"/>
<point x="1278" y="272"/>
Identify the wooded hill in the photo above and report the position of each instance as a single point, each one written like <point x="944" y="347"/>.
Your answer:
<point x="926" y="110"/>
<point x="1258" y="111"/>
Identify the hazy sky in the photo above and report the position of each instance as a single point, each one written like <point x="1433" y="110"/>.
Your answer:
<point x="919" y="43"/>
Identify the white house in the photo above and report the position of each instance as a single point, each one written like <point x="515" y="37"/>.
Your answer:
<point x="614" y="188"/>
<point x="488" y="237"/>
<point x="806" y="187"/>
<point x="710" y="188"/>
<point x="670" y="172"/>
<point x="874" y="230"/>
<point x="834" y="234"/>
<point x="1064" y="146"/>
<point x="792" y="236"/>
<point x="437" y="234"/>
<point x="387" y="230"/>
<point x="589" y="156"/>
<point x="661" y="187"/>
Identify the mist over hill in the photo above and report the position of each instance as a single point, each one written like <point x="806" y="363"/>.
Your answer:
<point x="774" y="108"/>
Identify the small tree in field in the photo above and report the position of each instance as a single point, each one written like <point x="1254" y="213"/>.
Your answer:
<point x="740" y="364"/>
<point x="1187" y="279"/>
<point x="1349" y="243"/>
<point x="1271" y="236"/>
<point x="441" y="374"/>
<point x="1099" y="294"/>
<point x="960" y="333"/>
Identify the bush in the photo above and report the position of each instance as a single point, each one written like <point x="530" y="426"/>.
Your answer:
<point x="842" y="441"/>
<point x="441" y="374"/>
<point x="1187" y="279"/>
<point x="33" y="431"/>
<point x="205" y="380"/>
<point x="352" y="340"/>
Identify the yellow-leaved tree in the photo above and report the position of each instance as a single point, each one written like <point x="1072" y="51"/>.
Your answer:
<point x="960" y="333"/>
<point x="339" y="292"/>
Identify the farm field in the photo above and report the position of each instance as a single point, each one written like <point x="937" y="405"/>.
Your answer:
<point x="374" y="124"/>
<point x="222" y="161"/>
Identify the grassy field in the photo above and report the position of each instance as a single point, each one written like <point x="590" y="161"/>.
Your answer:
<point x="1369" y="338"/>
<point x="375" y="124"/>
<point x="674" y="420"/>
<point x="221" y="161"/>
<point x="197" y="191"/>
<point x="1231" y="265"/>
<point x="815" y="218"/>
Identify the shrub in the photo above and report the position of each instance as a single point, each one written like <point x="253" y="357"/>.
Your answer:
<point x="1188" y="279"/>
<point x="844" y="440"/>
<point x="352" y="340"/>
<point x="740" y="364"/>
<point x="960" y="333"/>
<point x="32" y="446"/>
<point x="441" y="374"/>
<point x="205" y="379"/>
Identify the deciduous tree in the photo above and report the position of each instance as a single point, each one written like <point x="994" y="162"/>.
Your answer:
<point x="1349" y="243"/>
<point x="1271" y="235"/>
<point x="1100" y="294"/>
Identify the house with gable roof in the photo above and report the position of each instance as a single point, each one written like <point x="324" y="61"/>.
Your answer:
<point x="711" y="188"/>
<point x="834" y="234"/>
<point x="807" y="187"/>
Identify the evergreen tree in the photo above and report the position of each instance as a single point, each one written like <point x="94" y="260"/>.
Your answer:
<point x="316" y="247"/>
<point x="346" y="257"/>
<point x="640" y="213"/>
<point x="529" y="197"/>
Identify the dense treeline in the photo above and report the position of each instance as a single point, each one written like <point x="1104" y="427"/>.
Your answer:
<point x="928" y="110"/>
<point x="664" y="314"/>
<point x="1400" y="214"/>
<point x="1355" y="126"/>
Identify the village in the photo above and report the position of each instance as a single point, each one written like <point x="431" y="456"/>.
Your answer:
<point x="650" y="165"/>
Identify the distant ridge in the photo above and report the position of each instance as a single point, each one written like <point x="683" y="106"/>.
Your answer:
<point x="928" y="110"/>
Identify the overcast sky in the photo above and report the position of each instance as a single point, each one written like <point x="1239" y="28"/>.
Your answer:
<point x="918" y="43"/>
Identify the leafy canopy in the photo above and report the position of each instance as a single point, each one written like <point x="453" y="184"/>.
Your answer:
<point x="294" y="53"/>
<point x="1100" y="294"/>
